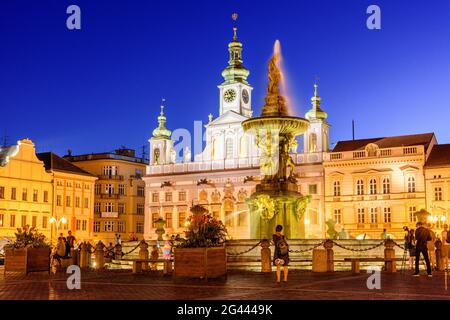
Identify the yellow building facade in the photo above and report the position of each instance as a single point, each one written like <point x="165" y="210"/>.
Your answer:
<point x="437" y="180"/>
<point x="377" y="184"/>
<point x="26" y="192"/>
<point x="73" y="198"/>
<point x="119" y="193"/>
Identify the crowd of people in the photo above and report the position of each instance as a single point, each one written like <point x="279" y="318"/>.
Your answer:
<point x="421" y="242"/>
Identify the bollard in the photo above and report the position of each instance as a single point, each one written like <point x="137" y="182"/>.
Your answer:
<point x="167" y="267"/>
<point x="118" y="252"/>
<point x="266" y="264"/>
<point x="83" y="256"/>
<point x="389" y="256"/>
<point x="143" y="254"/>
<point x="99" y="255"/>
<point x="439" y="258"/>
<point x="88" y="254"/>
<point x="319" y="260"/>
<point x="328" y="245"/>
<point x="73" y="255"/>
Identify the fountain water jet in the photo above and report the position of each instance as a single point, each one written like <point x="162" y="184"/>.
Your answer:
<point x="276" y="200"/>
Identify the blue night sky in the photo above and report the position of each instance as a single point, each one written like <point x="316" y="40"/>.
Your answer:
<point x="98" y="88"/>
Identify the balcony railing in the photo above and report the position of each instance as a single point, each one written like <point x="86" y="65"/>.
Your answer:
<point x="110" y="177"/>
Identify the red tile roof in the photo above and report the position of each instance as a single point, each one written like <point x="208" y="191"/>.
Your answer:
<point x="386" y="142"/>
<point x="56" y="163"/>
<point x="439" y="156"/>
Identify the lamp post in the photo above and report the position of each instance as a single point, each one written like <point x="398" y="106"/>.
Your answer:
<point x="57" y="222"/>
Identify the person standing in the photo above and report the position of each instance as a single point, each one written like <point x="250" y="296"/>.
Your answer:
<point x="445" y="234"/>
<point x="281" y="253"/>
<point x="422" y="237"/>
<point x="431" y="247"/>
<point x="71" y="239"/>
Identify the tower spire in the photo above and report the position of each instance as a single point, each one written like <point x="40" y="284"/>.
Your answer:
<point x="234" y="16"/>
<point x="162" y="131"/>
<point x="316" y="112"/>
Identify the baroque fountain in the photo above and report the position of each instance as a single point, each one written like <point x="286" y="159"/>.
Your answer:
<point x="276" y="200"/>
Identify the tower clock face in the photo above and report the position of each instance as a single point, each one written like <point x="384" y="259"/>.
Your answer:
<point x="229" y="95"/>
<point x="245" y="96"/>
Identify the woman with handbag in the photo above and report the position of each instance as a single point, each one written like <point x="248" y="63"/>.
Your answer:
<point x="281" y="253"/>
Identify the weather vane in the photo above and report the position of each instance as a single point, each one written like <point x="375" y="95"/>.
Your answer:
<point x="234" y="16"/>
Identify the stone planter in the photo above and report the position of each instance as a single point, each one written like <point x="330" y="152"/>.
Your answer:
<point x="203" y="263"/>
<point x="26" y="260"/>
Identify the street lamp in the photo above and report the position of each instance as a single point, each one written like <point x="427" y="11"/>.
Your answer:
<point x="57" y="222"/>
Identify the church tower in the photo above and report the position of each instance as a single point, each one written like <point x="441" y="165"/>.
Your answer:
<point x="161" y="144"/>
<point x="316" y="138"/>
<point x="235" y="91"/>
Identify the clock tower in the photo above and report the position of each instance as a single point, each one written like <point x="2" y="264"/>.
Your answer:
<point x="235" y="91"/>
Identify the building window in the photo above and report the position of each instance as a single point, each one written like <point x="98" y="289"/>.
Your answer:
<point x="2" y="220"/>
<point x="97" y="226"/>
<point x="34" y="221"/>
<point x="110" y="170"/>
<point x="97" y="207"/>
<point x="109" y="189"/>
<point x="78" y="224"/>
<point x="2" y="192"/>
<point x="361" y="215"/>
<point x="108" y="226"/>
<point x="229" y="148"/>
<point x="312" y="189"/>
<point x="69" y="184"/>
<point x="411" y="184"/>
<point x="86" y="203"/>
<point x="35" y="193"/>
<point x="140" y="209"/>
<point x="139" y="227"/>
<point x="109" y="207"/>
<point x="373" y="186"/>
<point x="140" y="191"/>
<point x="182" y="196"/>
<point x="98" y="188"/>
<point x="155" y="218"/>
<point x="169" y="220"/>
<point x="121" y="227"/>
<point x="24" y="221"/>
<point x="337" y="216"/>
<point x="122" y="189"/>
<point x="373" y="215"/>
<point x="359" y="187"/>
<point x="412" y="216"/>
<point x="337" y="188"/>
<point x="242" y="219"/>
<point x="155" y="197"/>
<point x="181" y="219"/>
<point x="13" y="193"/>
<point x="45" y="196"/>
<point x="387" y="215"/>
<point x="44" y="222"/>
<point x="12" y="221"/>
<point x="58" y="200"/>
<point x="84" y="225"/>
<point x="386" y="186"/>
<point x="438" y="194"/>
<point x="121" y="208"/>
<point x="229" y="218"/>
<point x="168" y="196"/>
<point x="67" y="201"/>
<point x="24" y="194"/>
<point x="77" y="202"/>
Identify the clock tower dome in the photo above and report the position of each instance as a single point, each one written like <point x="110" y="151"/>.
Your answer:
<point x="235" y="91"/>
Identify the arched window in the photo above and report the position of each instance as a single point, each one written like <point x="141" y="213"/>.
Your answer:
<point x="156" y="154"/>
<point x="312" y="142"/>
<point x="411" y="184"/>
<point x="386" y="186"/>
<point x="337" y="188"/>
<point x="373" y="186"/>
<point x="229" y="148"/>
<point x="360" y="187"/>
<point x="243" y="147"/>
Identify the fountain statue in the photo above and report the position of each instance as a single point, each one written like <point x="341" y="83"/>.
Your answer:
<point x="276" y="200"/>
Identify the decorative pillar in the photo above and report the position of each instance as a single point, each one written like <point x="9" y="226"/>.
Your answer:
<point x="389" y="253"/>
<point x="439" y="260"/>
<point x="118" y="252"/>
<point x="266" y="265"/>
<point x="143" y="254"/>
<point x="83" y="256"/>
<point x="328" y="245"/>
<point x="99" y="255"/>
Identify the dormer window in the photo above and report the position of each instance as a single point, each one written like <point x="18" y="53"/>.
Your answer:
<point x="372" y="150"/>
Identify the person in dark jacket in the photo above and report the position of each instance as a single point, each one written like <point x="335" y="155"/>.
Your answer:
<point x="422" y="236"/>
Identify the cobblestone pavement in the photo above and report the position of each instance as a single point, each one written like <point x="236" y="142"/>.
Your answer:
<point x="240" y="285"/>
